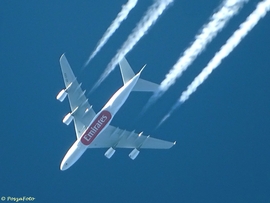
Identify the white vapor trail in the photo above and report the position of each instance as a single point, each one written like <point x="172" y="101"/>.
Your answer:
<point x="152" y="14"/>
<point x="113" y="27"/>
<point x="217" y="22"/>
<point x="260" y="11"/>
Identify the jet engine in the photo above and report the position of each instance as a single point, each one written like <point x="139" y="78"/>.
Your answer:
<point x="135" y="152"/>
<point x="109" y="152"/>
<point x="61" y="95"/>
<point x="67" y="119"/>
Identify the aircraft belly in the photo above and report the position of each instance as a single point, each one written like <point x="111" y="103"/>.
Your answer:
<point x="98" y="125"/>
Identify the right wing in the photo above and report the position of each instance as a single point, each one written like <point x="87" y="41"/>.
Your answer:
<point x="118" y="138"/>
<point x="81" y="110"/>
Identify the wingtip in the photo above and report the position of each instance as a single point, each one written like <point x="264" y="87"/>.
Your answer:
<point x="143" y="68"/>
<point x="63" y="55"/>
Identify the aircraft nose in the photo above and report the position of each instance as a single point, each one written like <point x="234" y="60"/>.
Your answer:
<point x="64" y="166"/>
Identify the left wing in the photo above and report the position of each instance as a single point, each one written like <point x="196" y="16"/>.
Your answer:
<point x="81" y="111"/>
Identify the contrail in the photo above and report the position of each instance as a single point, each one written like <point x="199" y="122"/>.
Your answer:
<point x="260" y="11"/>
<point x="152" y="14"/>
<point x="217" y="22"/>
<point x="113" y="27"/>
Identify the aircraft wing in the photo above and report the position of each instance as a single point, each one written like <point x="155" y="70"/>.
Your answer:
<point x="81" y="110"/>
<point x="118" y="138"/>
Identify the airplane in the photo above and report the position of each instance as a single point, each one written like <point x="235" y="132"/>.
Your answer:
<point x="93" y="130"/>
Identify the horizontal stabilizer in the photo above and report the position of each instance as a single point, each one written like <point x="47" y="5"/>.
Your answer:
<point x="126" y="71"/>
<point x="145" y="86"/>
<point x="142" y="85"/>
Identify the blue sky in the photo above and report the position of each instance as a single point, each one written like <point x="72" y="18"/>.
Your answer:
<point x="222" y="131"/>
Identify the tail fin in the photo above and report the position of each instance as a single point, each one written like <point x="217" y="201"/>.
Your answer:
<point x="142" y="85"/>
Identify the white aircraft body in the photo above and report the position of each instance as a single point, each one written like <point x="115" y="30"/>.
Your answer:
<point x="94" y="130"/>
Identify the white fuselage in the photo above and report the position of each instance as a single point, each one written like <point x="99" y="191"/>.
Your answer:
<point x="99" y="123"/>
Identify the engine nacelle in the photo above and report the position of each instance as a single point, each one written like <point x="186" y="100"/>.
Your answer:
<point x="67" y="119"/>
<point x="61" y="95"/>
<point x="135" y="152"/>
<point x="109" y="152"/>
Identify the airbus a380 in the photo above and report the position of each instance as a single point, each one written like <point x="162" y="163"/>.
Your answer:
<point x="93" y="130"/>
